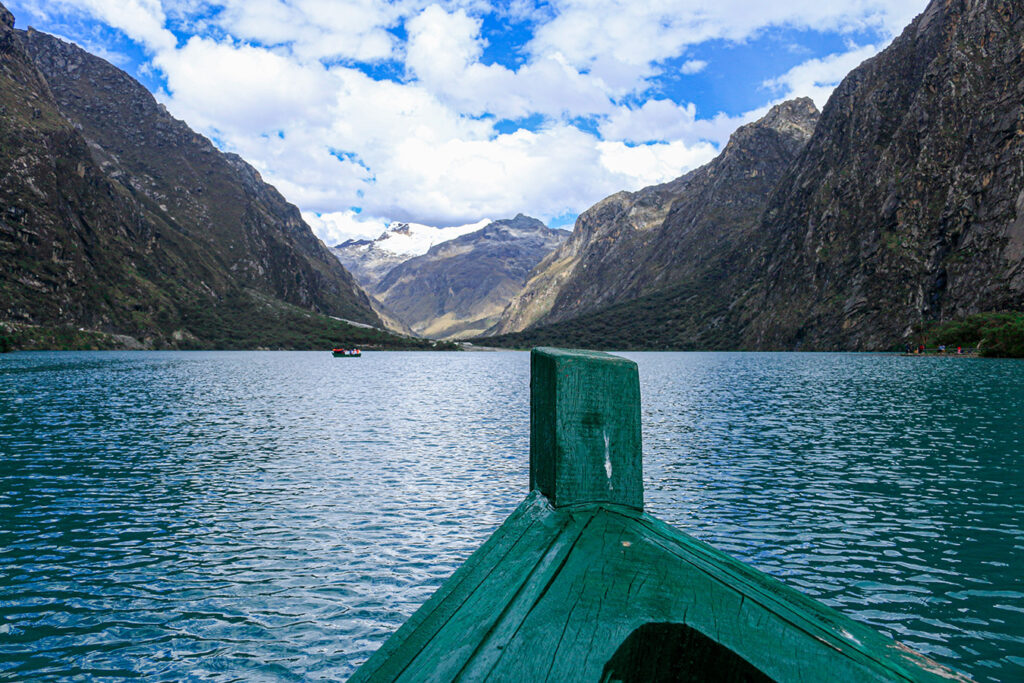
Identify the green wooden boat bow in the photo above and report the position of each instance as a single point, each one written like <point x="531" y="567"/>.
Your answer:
<point x="579" y="584"/>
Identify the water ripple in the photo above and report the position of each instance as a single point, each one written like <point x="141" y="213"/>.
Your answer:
<point x="275" y="516"/>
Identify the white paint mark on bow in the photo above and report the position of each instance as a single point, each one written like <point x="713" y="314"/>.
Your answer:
<point x="607" y="458"/>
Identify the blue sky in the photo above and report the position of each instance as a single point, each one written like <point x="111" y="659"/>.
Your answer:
<point x="363" y="112"/>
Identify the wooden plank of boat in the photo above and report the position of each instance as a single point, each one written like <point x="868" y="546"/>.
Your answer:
<point x="580" y="584"/>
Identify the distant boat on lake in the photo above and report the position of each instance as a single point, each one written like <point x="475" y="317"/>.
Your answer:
<point x="346" y="353"/>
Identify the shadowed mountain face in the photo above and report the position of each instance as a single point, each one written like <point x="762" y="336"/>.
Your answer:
<point x="905" y="205"/>
<point x="367" y="261"/>
<point x="459" y="287"/>
<point x="118" y="217"/>
<point x="690" y="233"/>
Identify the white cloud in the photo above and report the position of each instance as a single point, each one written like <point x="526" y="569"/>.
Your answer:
<point x="337" y="226"/>
<point x="817" y="78"/>
<point x="620" y="40"/>
<point x="316" y="29"/>
<point x="654" y="120"/>
<point x="654" y="163"/>
<point x="544" y="173"/>
<point x="661" y="120"/>
<point x="443" y="54"/>
<point x="693" y="66"/>
<point x="142" y="20"/>
<point x="240" y="88"/>
<point x="442" y="44"/>
<point x="278" y="81"/>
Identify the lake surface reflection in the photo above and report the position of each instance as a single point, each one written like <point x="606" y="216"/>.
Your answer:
<point x="277" y="515"/>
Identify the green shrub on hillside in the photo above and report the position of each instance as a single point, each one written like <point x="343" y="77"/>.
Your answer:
<point x="997" y="335"/>
<point x="1005" y="341"/>
<point x="56" y="338"/>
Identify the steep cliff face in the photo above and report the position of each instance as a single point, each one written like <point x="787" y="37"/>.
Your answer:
<point x="692" y="231"/>
<point x="217" y="199"/>
<point x="459" y="287"/>
<point x="115" y="216"/>
<point x="907" y="205"/>
<point x="63" y="224"/>
<point x="597" y="238"/>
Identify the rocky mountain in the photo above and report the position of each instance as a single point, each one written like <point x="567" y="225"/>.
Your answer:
<point x="366" y="260"/>
<point x="905" y="206"/>
<point x="688" y="234"/>
<point x="114" y="216"/>
<point x="459" y="287"/>
<point x="370" y="260"/>
<point x="601" y="235"/>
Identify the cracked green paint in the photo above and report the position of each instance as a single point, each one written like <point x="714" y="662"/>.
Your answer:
<point x="585" y="428"/>
<point x="562" y="592"/>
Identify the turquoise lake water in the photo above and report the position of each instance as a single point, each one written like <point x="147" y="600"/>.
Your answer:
<point x="276" y="515"/>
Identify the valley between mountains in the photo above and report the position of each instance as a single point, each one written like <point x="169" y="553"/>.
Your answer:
<point x="894" y="211"/>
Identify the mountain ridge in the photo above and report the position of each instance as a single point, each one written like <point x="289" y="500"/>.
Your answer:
<point x="117" y="218"/>
<point x="459" y="286"/>
<point x="369" y="260"/>
<point x="904" y="208"/>
<point x="633" y="243"/>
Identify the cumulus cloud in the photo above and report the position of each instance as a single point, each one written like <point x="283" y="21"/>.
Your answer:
<point x="142" y="20"/>
<point x="337" y="226"/>
<point x="293" y="87"/>
<point x="654" y="120"/>
<point x="662" y="120"/>
<point x="316" y="29"/>
<point x="693" y="66"/>
<point x="817" y="78"/>
<point x="621" y="40"/>
<point x="443" y="54"/>
<point x="551" y="171"/>
<point x="654" y="163"/>
<point x="241" y="88"/>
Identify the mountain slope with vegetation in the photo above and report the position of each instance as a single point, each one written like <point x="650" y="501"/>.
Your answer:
<point x="460" y="287"/>
<point x="904" y="208"/>
<point x="117" y="218"/>
<point x="690" y="237"/>
<point x="907" y="205"/>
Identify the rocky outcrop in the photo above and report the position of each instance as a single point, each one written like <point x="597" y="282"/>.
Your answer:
<point x="685" y="231"/>
<point x="907" y="205"/>
<point x="367" y="260"/>
<point x="118" y="217"/>
<point x="459" y="287"/>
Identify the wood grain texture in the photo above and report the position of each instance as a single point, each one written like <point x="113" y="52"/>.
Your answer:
<point x="585" y="444"/>
<point x="579" y="589"/>
<point x="555" y="592"/>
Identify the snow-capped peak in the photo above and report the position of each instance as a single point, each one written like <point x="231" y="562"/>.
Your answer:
<point x="414" y="239"/>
